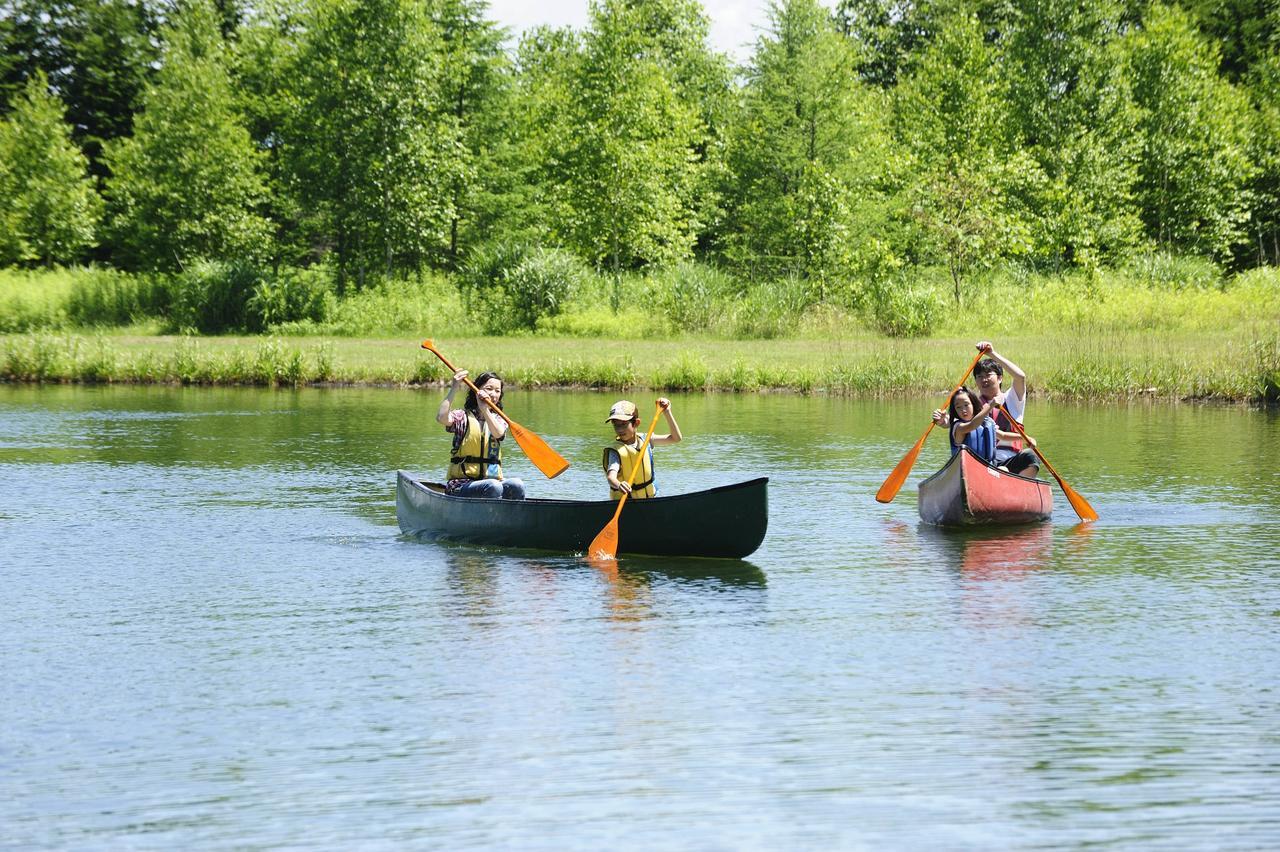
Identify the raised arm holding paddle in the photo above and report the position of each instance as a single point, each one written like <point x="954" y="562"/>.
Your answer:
<point x="1009" y="453"/>
<point x="624" y="417"/>
<point x="545" y="459"/>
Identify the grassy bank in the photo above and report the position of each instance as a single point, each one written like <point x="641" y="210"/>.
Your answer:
<point x="1171" y="365"/>
<point x="1163" y="327"/>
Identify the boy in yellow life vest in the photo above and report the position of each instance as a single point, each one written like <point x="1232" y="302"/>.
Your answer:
<point x="475" y="465"/>
<point x="622" y="456"/>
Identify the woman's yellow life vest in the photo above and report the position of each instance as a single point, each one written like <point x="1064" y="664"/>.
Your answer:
<point x="629" y="454"/>
<point x="476" y="454"/>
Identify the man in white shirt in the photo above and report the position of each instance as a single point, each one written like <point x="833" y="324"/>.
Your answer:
<point x="988" y="373"/>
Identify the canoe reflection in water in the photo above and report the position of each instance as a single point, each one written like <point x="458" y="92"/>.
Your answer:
<point x="480" y="581"/>
<point x="1011" y="552"/>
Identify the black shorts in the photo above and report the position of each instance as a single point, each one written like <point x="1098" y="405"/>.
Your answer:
<point x="1016" y="462"/>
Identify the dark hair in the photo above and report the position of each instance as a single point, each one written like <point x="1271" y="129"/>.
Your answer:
<point x="988" y="365"/>
<point x="472" y="404"/>
<point x="973" y="400"/>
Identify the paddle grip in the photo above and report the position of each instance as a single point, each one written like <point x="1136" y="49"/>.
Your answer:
<point x="466" y="379"/>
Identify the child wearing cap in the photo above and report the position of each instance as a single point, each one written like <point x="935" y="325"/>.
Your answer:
<point x="621" y="457"/>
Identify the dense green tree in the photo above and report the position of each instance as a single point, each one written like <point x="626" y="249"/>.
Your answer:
<point x="476" y="89"/>
<point x="264" y="70"/>
<point x="186" y="184"/>
<point x="703" y="79"/>
<point x="952" y="119"/>
<point x="97" y="54"/>
<point x="806" y="149"/>
<point x="1072" y="111"/>
<point x="1194" y="131"/>
<point x="1245" y="31"/>
<point x="374" y="146"/>
<point x="862" y="134"/>
<point x="1264" y="91"/>
<point x="526" y="200"/>
<point x="49" y="209"/>
<point x="891" y="36"/>
<point x="631" y="164"/>
<point x="884" y="34"/>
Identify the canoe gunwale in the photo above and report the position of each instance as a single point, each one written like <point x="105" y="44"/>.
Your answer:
<point x="436" y="489"/>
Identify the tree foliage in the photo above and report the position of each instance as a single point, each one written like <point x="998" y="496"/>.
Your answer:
<point x="98" y="56"/>
<point x="186" y="183"/>
<point x="49" y="209"/>
<point x="376" y="150"/>
<point x="860" y="140"/>
<point x="805" y="148"/>
<point x="1072" y="112"/>
<point x="630" y="165"/>
<point x="1195" y="163"/>
<point x="952" y="118"/>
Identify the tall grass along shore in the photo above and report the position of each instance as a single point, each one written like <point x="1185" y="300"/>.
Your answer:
<point x="1144" y="332"/>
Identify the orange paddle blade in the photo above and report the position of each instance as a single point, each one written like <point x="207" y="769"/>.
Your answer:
<point x="893" y="484"/>
<point x="1081" y="505"/>
<point x="605" y="545"/>
<point x="428" y="345"/>
<point x="545" y="459"/>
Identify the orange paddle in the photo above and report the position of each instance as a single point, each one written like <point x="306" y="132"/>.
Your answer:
<point x="1081" y="505"/>
<point x="547" y="460"/>
<point x="605" y="544"/>
<point x="899" y="474"/>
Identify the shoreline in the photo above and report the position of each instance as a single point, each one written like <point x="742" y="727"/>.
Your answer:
<point x="1161" y="367"/>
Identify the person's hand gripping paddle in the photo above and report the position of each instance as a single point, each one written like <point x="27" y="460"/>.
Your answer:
<point x="605" y="545"/>
<point x="545" y="459"/>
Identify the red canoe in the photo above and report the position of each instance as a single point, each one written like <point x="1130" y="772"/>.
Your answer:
<point x="967" y="492"/>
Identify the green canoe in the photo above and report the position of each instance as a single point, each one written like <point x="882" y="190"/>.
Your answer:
<point x="727" y="522"/>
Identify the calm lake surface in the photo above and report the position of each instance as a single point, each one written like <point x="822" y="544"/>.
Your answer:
<point x="215" y="636"/>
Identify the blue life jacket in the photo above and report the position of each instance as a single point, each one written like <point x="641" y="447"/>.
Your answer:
<point x="981" y="440"/>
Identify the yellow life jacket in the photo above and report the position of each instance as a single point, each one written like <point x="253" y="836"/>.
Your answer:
<point x="476" y="454"/>
<point x="629" y="455"/>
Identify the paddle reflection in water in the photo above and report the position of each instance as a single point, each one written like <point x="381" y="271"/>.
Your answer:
<point x="481" y="581"/>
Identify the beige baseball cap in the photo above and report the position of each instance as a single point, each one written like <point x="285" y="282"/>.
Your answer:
<point x="622" y="410"/>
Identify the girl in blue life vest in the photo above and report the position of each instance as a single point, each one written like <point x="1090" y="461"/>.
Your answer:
<point x="475" y="465"/>
<point x="972" y="426"/>
<point x="622" y="456"/>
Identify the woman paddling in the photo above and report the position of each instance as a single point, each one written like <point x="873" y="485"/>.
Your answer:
<point x="475" y="465"/>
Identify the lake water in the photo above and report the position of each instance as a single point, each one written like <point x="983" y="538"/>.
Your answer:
<point x="215" y="636"/>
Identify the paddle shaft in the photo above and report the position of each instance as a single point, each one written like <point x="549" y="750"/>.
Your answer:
<point x="545" y="459"/>
<point x="1081" y="505"/>
<point x="644" y="445"/>
<point x="605" y="544"/>
<point x="893" y="483"/>
<point x="470" y="384"/>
